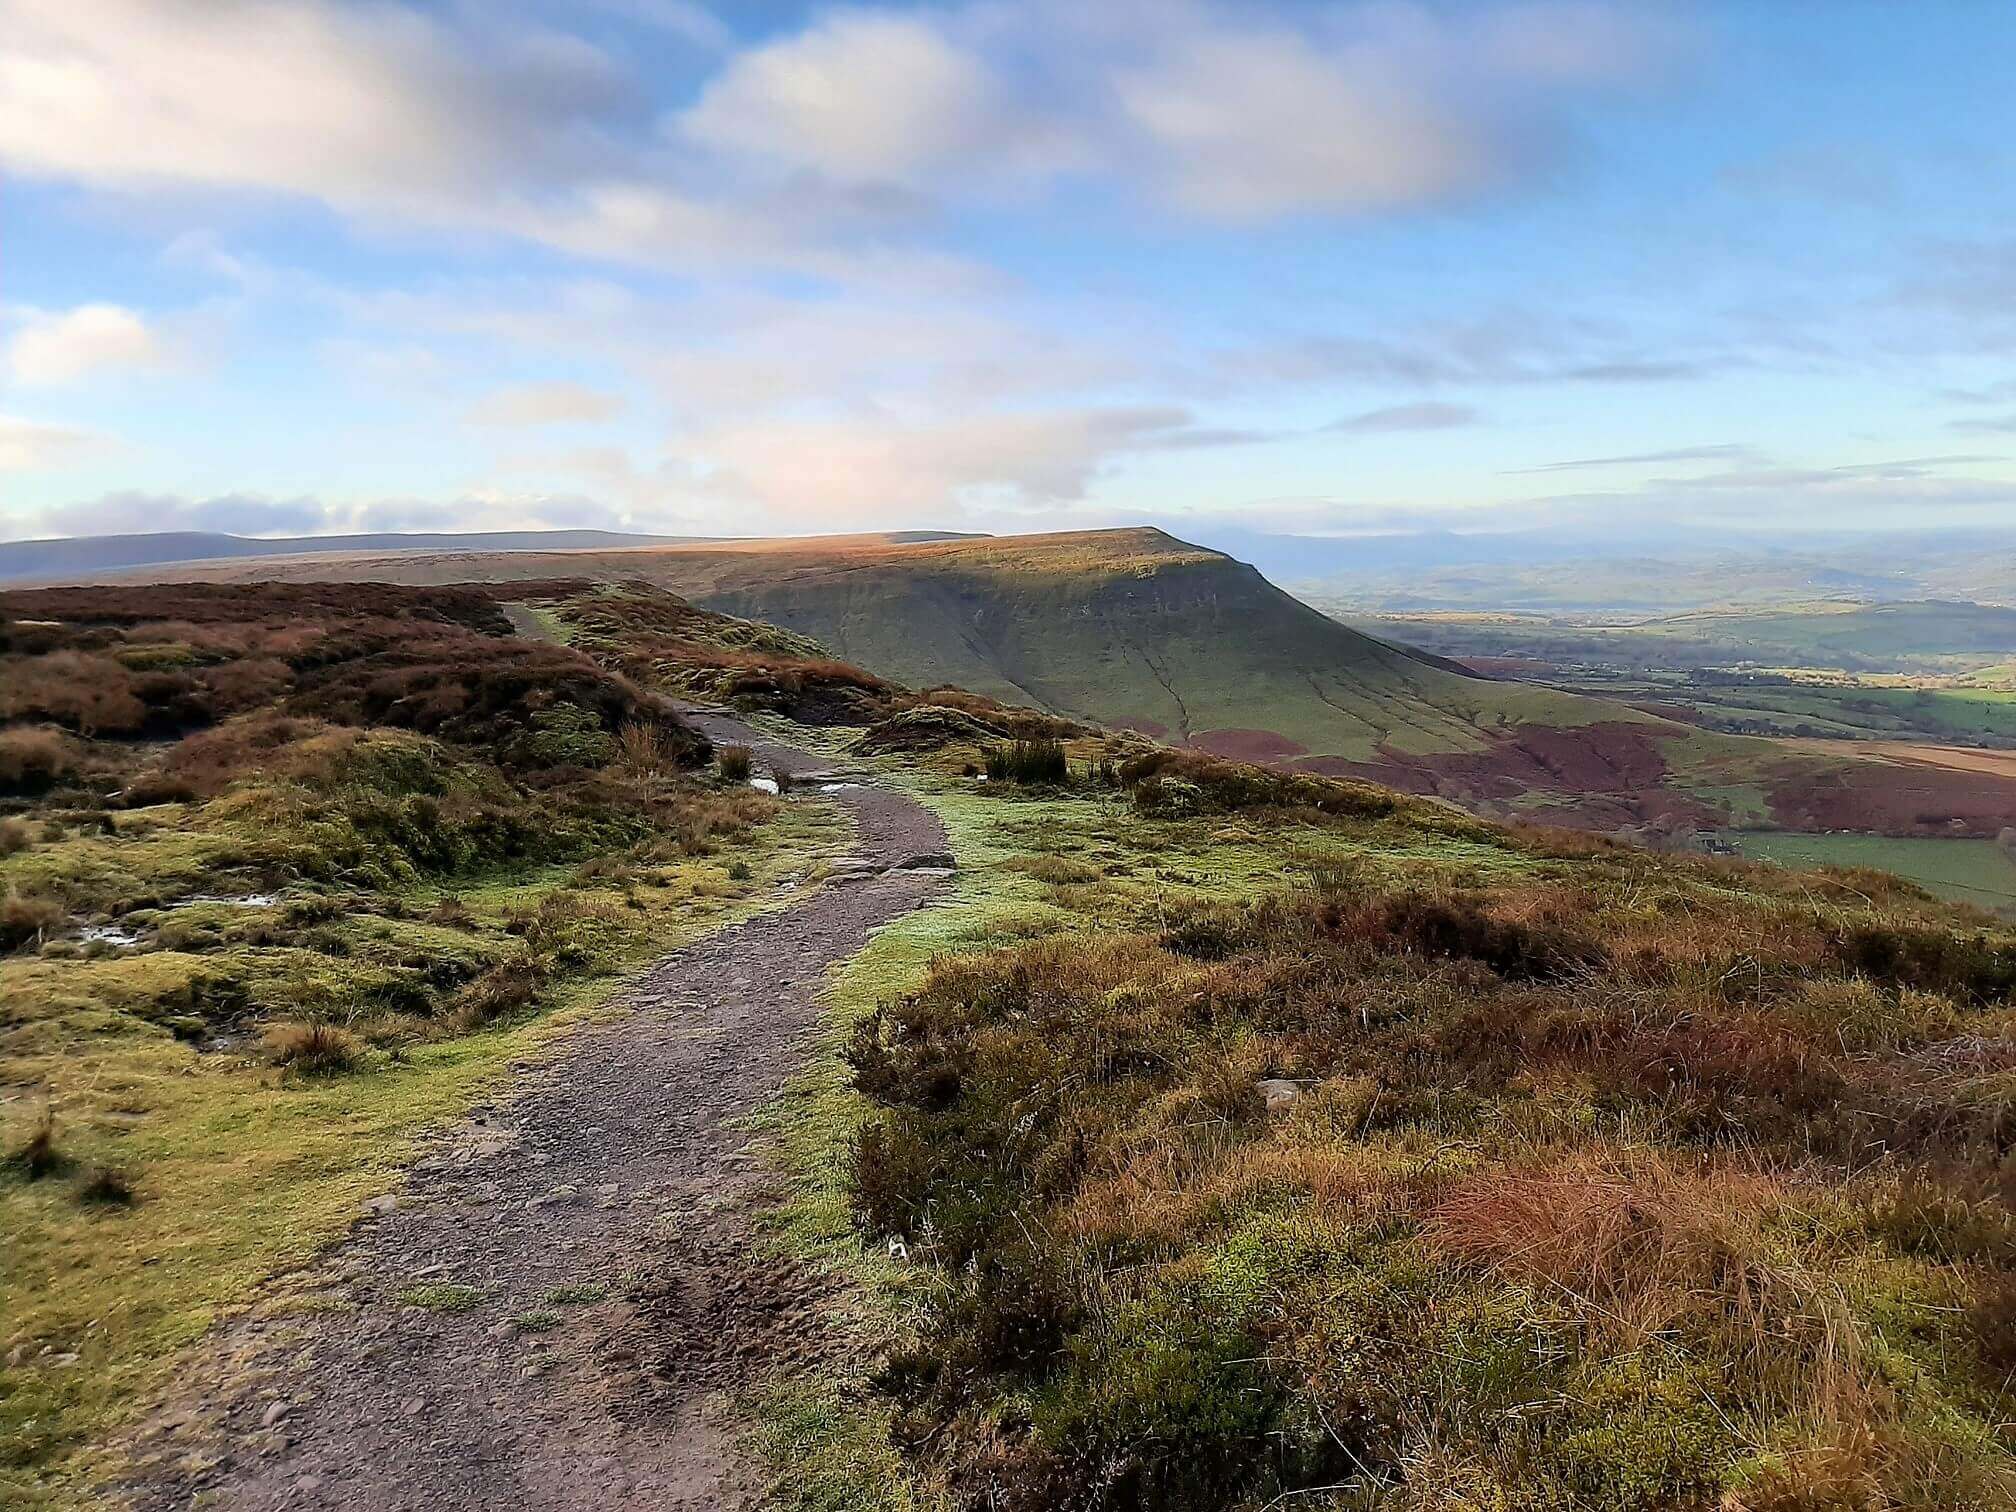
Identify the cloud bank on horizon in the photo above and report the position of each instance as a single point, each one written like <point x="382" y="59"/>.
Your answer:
<point x="287" y="266"/>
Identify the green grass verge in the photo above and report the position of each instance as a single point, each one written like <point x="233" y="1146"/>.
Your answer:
<point x="240" y="1171"/>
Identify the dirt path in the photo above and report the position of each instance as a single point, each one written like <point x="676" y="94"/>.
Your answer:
<point x="615" y="1170"/>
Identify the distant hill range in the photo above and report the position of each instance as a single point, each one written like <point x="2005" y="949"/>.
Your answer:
<point x="1135" y="628"/>
<point x="1596" y="571"/>
<point x="72" y="558"/>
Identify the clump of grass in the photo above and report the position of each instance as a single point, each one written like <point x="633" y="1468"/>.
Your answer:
<point x="1030" y="762"/>
<point x="38" y="1156"/>
<point x="1058" y="870"/>
<point x="739" y="871"/>
<point x="442" y="1297"/>
<point x="313" y="1049"/>
<point x="577" y="1294"/>
<point x="509" y="987"/>
<point x="106" y="1186"/>
<point x="539" y="1320"/>
<point x="642" y="751"/>
<point x="452" y="913"/>
<point x="15" y="836"/>
<point x="34" y="760"/>
<point x="737" y="762"/>
<point x="25" y="918"/>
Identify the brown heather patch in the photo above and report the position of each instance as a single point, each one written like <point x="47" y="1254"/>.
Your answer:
<point x="1597" y="1187"/>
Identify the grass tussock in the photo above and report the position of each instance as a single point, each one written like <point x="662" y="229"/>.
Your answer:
<point x="1029" y="762"/>
<point x="38" y="1155"/>
<point x="313" y="1049"/>
<point x="737" y="763"/>
<point x="1621" y="1183"/>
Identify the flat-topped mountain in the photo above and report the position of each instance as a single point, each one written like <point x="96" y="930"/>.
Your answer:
<point x="1136" y="628"/>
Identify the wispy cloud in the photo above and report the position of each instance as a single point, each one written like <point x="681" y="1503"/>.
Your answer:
<point x="1728" y="451"/>
<point x="2000" y="425"/>
<point x="1408" y="417"/>
<point x="27" y="444"/>
<point x="544" y="404"/>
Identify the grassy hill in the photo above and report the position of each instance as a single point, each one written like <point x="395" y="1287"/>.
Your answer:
<point x="1137" y="629"/>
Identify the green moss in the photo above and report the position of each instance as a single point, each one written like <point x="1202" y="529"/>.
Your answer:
<point x="1644" y="1432"/>
<point x="442" y="1298"/>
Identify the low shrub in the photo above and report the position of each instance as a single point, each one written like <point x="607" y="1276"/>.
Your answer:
<point x="32" y="761"/>
<point x="510" y="986"/>
<point x="1228" y="786"/>
<point x="452" y="913"/>
<point x="25" y="919"/>
<point x="1555" y="1193"/>
<point x="106" y="1186"/>
<point x="38" y="1156"/>
<point x="313" y="1049"/>
<point x="1031" y="762"/>
<point x="15" y="837"/>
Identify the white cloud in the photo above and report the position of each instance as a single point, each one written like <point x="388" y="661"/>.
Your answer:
<point x="865" y="468"/>
<point x="1230" y="112"/>
<point x="544" y="404"/>
<point x="462" y="119"/>
<point x="367" y="107"/>
<point x="61" y="348"/>
<point x="28" y="444"/>
<point x="860" y="95"/>
<point x="1255" y="125"/>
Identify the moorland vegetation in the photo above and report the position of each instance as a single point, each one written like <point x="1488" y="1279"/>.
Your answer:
<point x="287" y="875"/>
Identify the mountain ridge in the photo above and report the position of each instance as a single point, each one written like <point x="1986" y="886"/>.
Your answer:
<point x="1138" y="629"/>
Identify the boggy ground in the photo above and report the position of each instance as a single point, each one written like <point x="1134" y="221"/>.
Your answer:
<point x="543" y="1316"/>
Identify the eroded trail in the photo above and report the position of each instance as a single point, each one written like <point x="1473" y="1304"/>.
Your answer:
<point x="599" y="1217"/>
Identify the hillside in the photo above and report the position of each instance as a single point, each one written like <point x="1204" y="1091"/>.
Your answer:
<point x="1137" y="629"/>
<point x="1203" y="1137"/>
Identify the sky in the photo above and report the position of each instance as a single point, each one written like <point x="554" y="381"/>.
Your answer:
<point x="308" y="266"/>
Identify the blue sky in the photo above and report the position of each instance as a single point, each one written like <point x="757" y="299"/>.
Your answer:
<point x="297" y="266"/>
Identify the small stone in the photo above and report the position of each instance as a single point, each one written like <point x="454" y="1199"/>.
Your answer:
<point x="413" y="1406"/>
<point x="308" y="1483"/>
<point x="1279" y="1092"/>
<point x="61" y="1361"/>
<point x="378" y="1207"/>
<point x="608" y="1189"/>
<point x="274" y="1412"/>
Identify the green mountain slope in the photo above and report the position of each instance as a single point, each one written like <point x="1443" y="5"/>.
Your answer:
<point x="1136" y="628"/>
